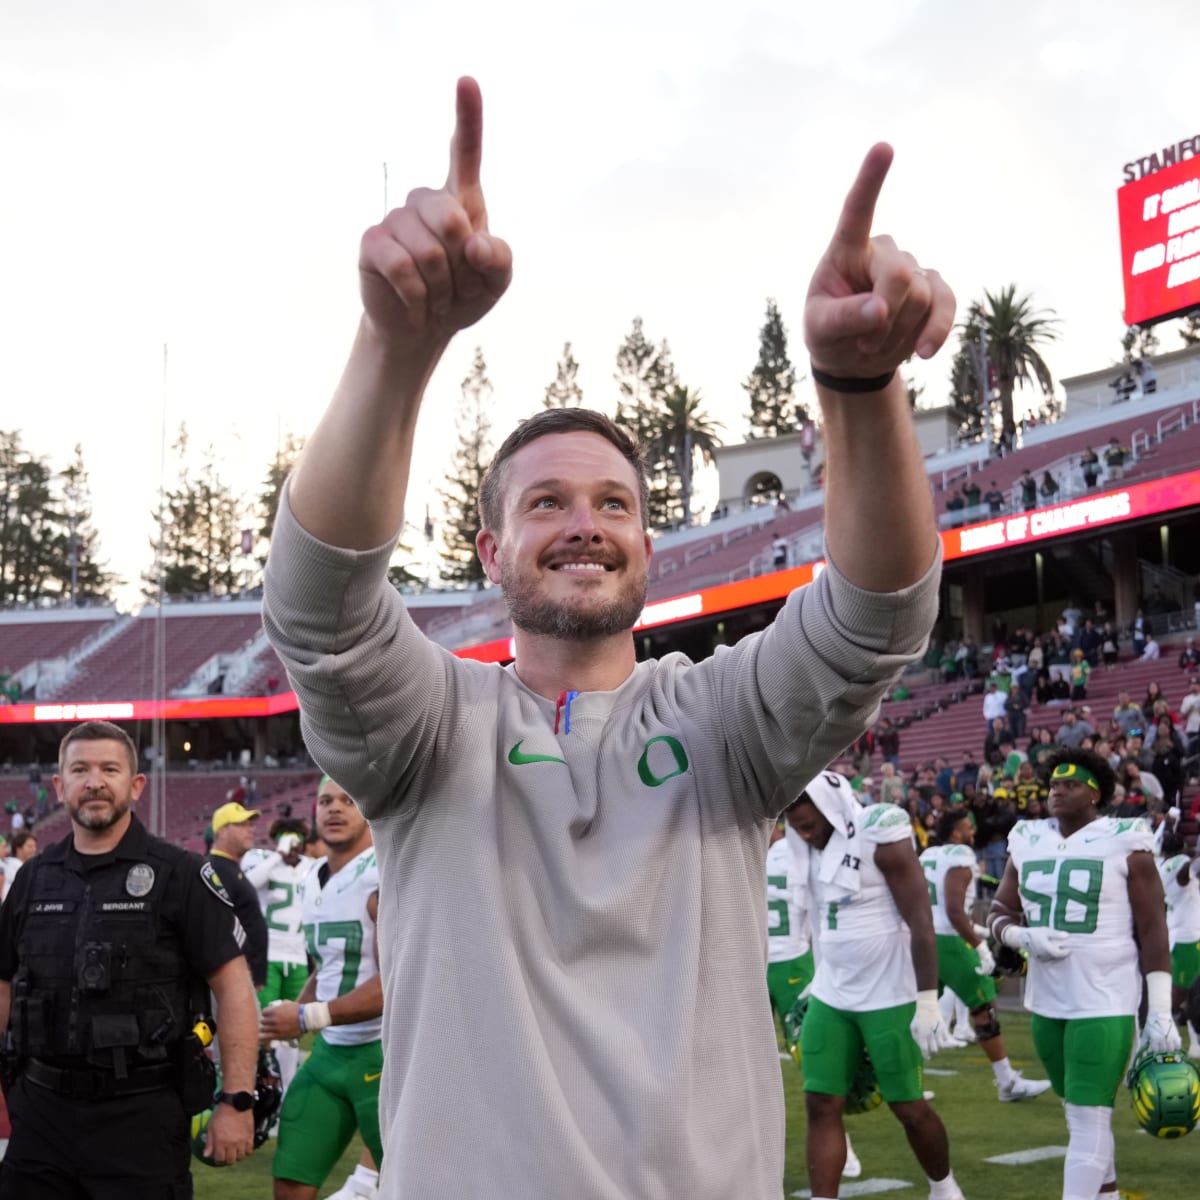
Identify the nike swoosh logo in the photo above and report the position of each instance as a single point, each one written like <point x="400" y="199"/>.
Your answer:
<point x="793" y="981"/>
<point x="519" y="759"/>
<point x="372" y="1078"/>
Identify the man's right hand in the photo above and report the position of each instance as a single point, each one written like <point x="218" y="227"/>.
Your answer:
<point x="432" y="268"/>
<point x="1046" y="945"/>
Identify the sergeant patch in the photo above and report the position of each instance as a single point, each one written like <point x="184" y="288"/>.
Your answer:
<point x="140" y="879"/>
<point x="212" y="881"/>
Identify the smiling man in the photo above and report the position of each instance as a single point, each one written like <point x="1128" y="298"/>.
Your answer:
<point x="571" y="848"/>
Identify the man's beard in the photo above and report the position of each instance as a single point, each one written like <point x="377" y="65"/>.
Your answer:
<point x="104" y="819"/>
<point x="534" y="612"/>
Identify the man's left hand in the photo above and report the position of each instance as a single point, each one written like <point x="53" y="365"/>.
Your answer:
<point x="870" y="305"/>
<point x="230" y="1135"/>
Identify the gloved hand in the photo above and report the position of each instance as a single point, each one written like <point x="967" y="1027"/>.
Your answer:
<point x="1173" y="814"/>
<point x="987" y="960"/>
<point x="1042" y="943"/>
<point x="1160" y="1033"/>
<point x="926" y="1024"/>
<point x="289" y="842"/>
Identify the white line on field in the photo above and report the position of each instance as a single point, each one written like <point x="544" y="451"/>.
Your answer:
<point x="1020" y="1157"/>
<point x="864" y="1187"/>
<point x="938" y="1071"/>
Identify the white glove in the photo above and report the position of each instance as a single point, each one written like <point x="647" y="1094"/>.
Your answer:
<point x="981" y="932"/>
<point x="1046" y="945"/>
<point x="987" y="960"/>
<point x="1160" y="1032"/>
<point x="289" y="842"/>
<point x="1174" y="814"/>
<point x="926" y="1027"/>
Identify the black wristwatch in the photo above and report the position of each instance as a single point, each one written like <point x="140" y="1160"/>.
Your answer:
<point x="241" y="1101"/>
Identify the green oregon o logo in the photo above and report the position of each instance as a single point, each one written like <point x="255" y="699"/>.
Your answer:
<point x="647" y="776"/>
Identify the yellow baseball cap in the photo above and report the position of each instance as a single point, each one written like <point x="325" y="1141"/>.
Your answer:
<point x="232" y="814"/>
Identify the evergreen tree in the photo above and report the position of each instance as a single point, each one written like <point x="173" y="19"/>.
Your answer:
<point x="460" y="562"/>
<point x="771" y="386"/>
<point x="565" y="391"/>
<point x="287" y="454"/>
<point x="200" y="533"/>
<point x="645" y="376"/>
<point x="82" y="577"/>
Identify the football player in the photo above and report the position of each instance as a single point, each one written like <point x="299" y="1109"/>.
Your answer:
<point x="1181" y="887"/>
<point x="1082" y="897"/>
<point x="965" y="963"/>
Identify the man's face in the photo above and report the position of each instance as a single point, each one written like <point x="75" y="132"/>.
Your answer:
<point x="28" y="849"/>
<point x="237" y="838"/>
<point x="571" y="558"/>
<point x="964" y="832"/>
<point x="1071" y="798"/>
<point x="97" y="785"/>
<point x="339" y="822"/>
<point x="807" y="821"/>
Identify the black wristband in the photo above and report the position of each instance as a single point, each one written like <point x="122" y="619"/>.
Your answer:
<point x="839" y="383"/>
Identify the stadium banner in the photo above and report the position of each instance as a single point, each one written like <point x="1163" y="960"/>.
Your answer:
<point x="1096" y="511"/>
<point x="1159" y="217"/>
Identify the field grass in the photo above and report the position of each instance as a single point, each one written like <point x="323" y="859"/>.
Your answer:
<point x="979" y="1126"/>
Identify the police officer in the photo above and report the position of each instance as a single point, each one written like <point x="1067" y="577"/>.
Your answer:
<point x="233" y="835"/>
<point x="109" y="942"/>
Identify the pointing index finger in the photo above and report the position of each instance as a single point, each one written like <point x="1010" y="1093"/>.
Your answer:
<point x="858" y="212"/>
<point x="466" y="147"/>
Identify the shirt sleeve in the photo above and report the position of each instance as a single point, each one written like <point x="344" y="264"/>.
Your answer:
<point x="211" y="933"/>
<point x="14" y="903"/>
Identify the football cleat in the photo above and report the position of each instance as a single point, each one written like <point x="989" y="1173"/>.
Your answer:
<point x="1022" y="1089"/>
<point x="1166" y="1093"/>
<point x="853" y="1168"/>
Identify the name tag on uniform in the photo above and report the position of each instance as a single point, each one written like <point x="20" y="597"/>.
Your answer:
<point x="123" y="906"/>
<point x="52" y="906"/>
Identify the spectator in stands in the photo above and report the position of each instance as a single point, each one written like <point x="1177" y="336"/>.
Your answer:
<point x="955" y="505"/>
<point x="1049" y="488"/>
<point x="1072" y="731"/>
<point x="1143" y="790"/>
<point x="1029" y="489"/>
<point x="1079" y="675"/>
<point x="995" y="500"/>
<point x="1041" y="746"/>
<point x="1167" y="764"/>
<point x="968" y="658"/>
<point x="1154" y="694"/>
<point x="1043" y="686"/>
<point x="998" y="735"/>
<point x="1189" y="656"/>
<point x="1109" y="647"/>
<point x="994" y="705"/>
<point x="968" y="773"/>
<point x="891" y="786"/>
<point x="1114" y="458"/>
<point x="887" y="739"/>
<point x="1151" y="652"/>
<point x="993" y="820"/>
<point x="1089" y="464"/>
<point x="1189" y="711"/>
<point x="1028" y="787"/>
<point x="972" y="496"/>
<point x="1127" y="715"/>
<point x="780" y="548"/>
<point x="864" y="745"/>
<point x="1016" y="705"/>
<point x="943" y="778"/>
<point x="1090" y="641"/>
<point x="1139" y="631"/>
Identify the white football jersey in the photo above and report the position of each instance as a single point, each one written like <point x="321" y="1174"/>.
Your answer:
<point x="788" y="936"/>
<point x="341" y="938"/>
<point x="1183" y="903"/>
<point x="938" y="862"/>
<point x="863" y="947"/>
<point x="280" y="900"/>
<point x="1080" y="886"/>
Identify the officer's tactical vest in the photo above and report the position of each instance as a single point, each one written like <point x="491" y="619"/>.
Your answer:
<point x="102" y="979"/>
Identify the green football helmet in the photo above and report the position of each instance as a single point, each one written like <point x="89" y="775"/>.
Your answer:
<point x="864" y="1089"/>
<point x="1166" y="1093"/>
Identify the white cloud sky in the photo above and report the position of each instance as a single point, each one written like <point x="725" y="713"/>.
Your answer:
<point x="199" y="174"/>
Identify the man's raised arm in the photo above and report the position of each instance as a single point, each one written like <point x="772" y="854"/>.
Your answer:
<point x="870" y="307"/>
<point x="428" y="270"/>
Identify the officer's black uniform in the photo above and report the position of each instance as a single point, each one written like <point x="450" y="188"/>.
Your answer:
<point x="107" y="957"/>
<point x="245" y="904"/>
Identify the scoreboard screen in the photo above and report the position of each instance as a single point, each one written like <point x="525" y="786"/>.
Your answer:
<point x="1160" y="242"/>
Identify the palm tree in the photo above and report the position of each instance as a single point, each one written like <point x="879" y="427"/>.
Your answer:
<point x="685" y="431"/>
<point x="1014" y="332"/>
